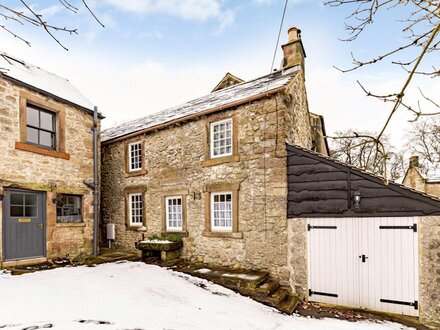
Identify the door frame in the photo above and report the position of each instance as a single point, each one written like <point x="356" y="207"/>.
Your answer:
<point x="43" y="219"/>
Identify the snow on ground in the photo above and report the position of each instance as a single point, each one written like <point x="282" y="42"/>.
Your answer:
<point x="133" y="295"/>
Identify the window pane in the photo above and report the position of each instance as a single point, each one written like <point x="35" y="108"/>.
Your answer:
<point x="31" y="211"/>
<point x="32" y="117"/>
<point x="32" y="135"/>
<point x="46" y="121"/>
<point x="16" y="211"/>
<point x="17" y="199"/>
<point x="69" y="208"/>
<point x="31" y="200"/>
<point x="46" y="139"/>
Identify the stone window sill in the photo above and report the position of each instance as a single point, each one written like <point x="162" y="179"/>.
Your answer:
<point x="135" y="173"/>
<point x="70" y="224"/>
<point x="237" y="235"/>
<point x="41" y="151"/>
<point x="140" y="229"/>
<point x="220" y="160"/>
<point x="178" y="233"/>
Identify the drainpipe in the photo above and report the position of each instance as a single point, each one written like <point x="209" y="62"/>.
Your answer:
<point x="95" y="182"/>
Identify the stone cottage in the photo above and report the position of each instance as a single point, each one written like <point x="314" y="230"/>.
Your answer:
<point x="213" y="170"/>
<point x="46" y="165"/>
<point x="426" y="179"/>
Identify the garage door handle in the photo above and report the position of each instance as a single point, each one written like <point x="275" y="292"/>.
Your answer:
<point x="363" y="257"/>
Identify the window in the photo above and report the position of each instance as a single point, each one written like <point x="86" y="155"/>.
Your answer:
<point x="135" y="156"/>
<point x="23" y="205"/>
<point x="40" y="127"/>
<point x="69" y="208"/>
<point x="136" y="209"/>
<point x="221" y="138"/>
<point x="221" y="211"/>
<point x="174" y="213"/>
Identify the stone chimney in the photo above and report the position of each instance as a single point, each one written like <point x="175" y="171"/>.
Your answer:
<point x="414" y="162"/>
<point x="294" y="53"/>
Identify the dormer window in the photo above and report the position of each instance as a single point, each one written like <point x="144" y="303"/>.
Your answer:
<point x="40" y="127"/>
<point x="135" y="156"/>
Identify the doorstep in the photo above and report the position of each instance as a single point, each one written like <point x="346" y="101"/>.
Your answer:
<point x="23" y="262"/>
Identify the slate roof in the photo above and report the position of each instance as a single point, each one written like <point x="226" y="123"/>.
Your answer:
<point x="41" y="80"/>
<point x="217" y="100"/>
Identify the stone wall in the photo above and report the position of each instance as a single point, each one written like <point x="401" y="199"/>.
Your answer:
<point x="298" y="255"/>
<point x="429" y="271"/>
<point x="175" y="162"/>
<point x="414" y="180"/>
<point x="29" y="170"/>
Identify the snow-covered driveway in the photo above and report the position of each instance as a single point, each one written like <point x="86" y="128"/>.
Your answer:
<point x="133" y="295"/>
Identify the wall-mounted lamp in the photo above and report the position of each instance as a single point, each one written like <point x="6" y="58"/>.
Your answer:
<point x="197" y="195"/>
<point x="57" y="200"/>
<point x="357" y="199"/>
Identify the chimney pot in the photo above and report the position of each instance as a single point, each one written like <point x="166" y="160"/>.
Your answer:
<point x="294" y="34"/>
<point x="414" y="162"/>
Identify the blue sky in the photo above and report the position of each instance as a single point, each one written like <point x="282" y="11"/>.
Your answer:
<point x="153" y="54"/>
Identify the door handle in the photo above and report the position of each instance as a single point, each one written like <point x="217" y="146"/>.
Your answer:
<point x="363" y="257"/>
<point x="41" y="225"/>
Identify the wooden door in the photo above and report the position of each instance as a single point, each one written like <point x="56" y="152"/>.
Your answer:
<point x="368" y="263"/>
<point x="23" y="225"/>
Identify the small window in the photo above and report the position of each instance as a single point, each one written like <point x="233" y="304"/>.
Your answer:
<point x="69" y="208"/>
<point x="40" y="127"/>
<point x="135" y="156"/>
<point x="221" y="138"/>
<point x="23" y="205"/>
<point x="136" y="209"/>
<point x="221" y="211"/>
<point x="174" y="213"/>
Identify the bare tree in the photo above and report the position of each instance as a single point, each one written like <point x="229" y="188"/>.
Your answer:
<point x="424" y="140"/>
<point x="358" y="149"/>
<point x="420" y="29"/>
<point x="26" y="14"/>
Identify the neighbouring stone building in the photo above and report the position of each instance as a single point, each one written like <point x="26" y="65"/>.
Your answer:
<point x="46" y="126"/>
<point x="426" y="179"/>
<point x="213" y="170"/>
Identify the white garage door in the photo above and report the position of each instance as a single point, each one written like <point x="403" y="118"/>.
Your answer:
<point x="368" y="263"/>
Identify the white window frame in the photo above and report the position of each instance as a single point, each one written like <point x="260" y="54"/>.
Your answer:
<point x="228" y="120"/>
<point x="221" y="228"/>
<point x="130" y="207"/>
<point x="167" y="214"/>
<point x="130" y="161"/>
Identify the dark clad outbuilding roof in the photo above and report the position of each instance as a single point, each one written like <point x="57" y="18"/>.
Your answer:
<point x="320" y="186"/>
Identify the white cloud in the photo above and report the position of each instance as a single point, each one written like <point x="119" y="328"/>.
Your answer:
<point x="191" y="10"/>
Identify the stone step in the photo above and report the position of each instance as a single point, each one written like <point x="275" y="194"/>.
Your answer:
<point x="275" y="298"/>
<point x="267" y="287"/>
<point x="289" y="304"/>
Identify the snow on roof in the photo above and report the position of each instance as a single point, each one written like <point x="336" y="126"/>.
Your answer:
<point x="221" y="98"/>
<point x="431" y="173"/>
<point x="40" y="79"/>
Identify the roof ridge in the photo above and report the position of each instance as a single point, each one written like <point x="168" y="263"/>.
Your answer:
<point x="180" y="108"/>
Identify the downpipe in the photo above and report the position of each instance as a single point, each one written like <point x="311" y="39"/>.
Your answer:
<point x="95" y="183"/>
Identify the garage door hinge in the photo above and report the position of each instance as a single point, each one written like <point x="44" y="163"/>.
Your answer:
<point x="414" y="304"/>
<point x="322" y="293"/>
<point x="320" y="227"/>
<point x="413" y="227"/>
